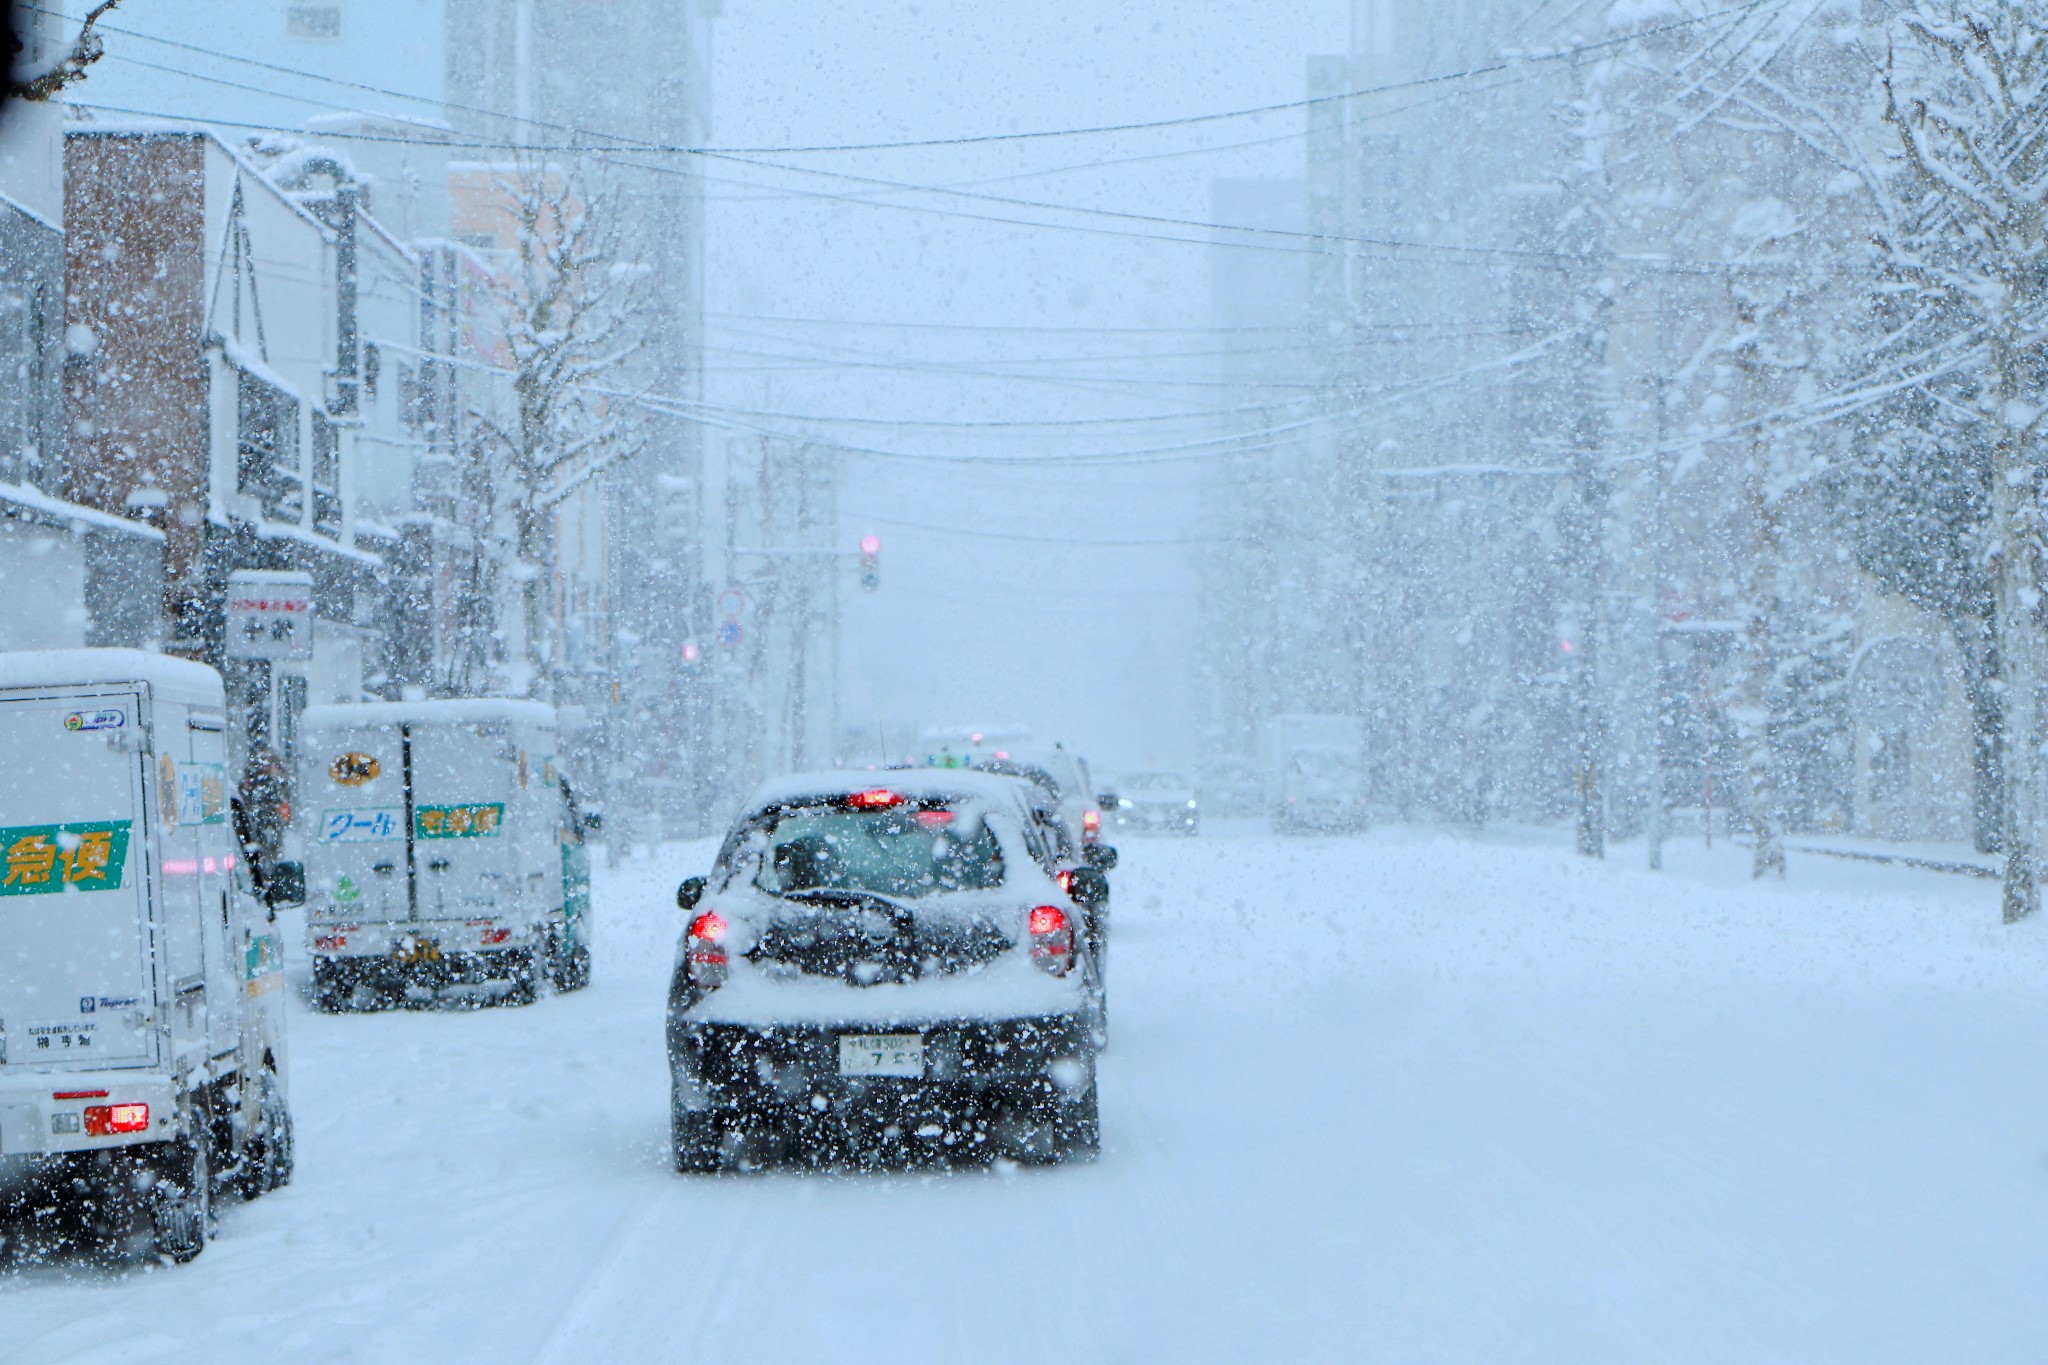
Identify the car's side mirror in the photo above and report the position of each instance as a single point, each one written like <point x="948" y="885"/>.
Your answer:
<point x="285" y="886"/>
<point x="1087" y="886"/>
<point x="690" y="892"/>
<point x="1101" y="857"/>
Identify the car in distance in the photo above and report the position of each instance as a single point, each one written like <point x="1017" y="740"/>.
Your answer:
<point x="1157" y="802"/>
<point x="883" y="970"/>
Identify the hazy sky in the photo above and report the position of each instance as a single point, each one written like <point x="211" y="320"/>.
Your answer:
<point x="1011" y="593"/>
<point x="979" y="621"/>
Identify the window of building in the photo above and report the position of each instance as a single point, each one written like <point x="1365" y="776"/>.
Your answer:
<point x="267" y="448"/>
<point x="326" y="475"/>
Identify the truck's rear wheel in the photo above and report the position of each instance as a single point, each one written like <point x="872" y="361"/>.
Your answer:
<point x="573" y="973"/>
<point x="525" y="978"/>
<point x="182" y="1211"/>
<point x="268" y="1156"/>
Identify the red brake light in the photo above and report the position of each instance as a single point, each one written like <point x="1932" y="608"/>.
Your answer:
<point x="704" y="950"/>
<point x="1066" y="880"/>
<point x="934" y="819"/>
<point x="78" y="1095"/>
<point x="875" y="798"/>
<point x="104" y="1120"/>
<point x="1052" y="939"/>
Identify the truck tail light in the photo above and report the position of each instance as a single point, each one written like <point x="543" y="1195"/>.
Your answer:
<point x="704" y="950"/>
<point x="1052" y="939"/>
<point x="105" y="1120"/>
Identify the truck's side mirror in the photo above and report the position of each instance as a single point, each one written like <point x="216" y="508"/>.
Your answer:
<point x="1087" y="886"/>
<point x="1101" y="857"/>
<point x="690" y="892"/>
<point x="285" y="886"/>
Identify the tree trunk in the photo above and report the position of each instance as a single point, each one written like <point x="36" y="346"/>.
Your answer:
<point x="1760" y="761"/>
<point x="2012" y="638"/>
<point x="1981" y="672"/>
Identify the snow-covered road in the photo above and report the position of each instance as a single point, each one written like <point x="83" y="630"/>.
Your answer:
<point x="1398" y="1098"/>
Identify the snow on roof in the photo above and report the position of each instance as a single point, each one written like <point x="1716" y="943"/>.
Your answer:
<point x="942" y="783"/>
<point x="36" y="500"/>
<point x="447" y="711"/>
<point x="167" y="675"/>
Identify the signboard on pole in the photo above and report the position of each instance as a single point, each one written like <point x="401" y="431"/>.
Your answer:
<point x="269" y="615"/>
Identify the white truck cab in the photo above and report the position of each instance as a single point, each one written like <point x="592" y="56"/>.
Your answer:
<point x="443" y="845"/>
<point x="142" y="1048"/>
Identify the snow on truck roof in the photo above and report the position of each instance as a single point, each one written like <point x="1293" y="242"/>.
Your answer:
<point x="450" y="711"/>
<point x="169" y="677"/>
<point x="917" y="783"/>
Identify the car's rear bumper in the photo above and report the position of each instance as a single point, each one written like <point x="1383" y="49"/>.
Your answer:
<point x="793" y="1071"/>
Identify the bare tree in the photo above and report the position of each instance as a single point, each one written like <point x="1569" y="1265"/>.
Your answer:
<point x="70" y="69"/>
<point x="1965" y="83"/>
<point x="574" y="310"/>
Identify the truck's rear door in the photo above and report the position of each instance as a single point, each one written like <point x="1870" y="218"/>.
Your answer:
<point x="467" y="782"/>
<point x="77" y="985"/>
<point x="353" y="789"/>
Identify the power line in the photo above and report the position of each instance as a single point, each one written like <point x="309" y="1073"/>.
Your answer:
<point x="622" y="144"/>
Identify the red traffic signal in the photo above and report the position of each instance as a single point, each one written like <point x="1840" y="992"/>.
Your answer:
<point x="870" y="562"/>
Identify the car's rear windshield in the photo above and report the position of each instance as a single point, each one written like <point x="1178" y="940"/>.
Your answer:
<point x="903" y="850"/>
<point x="1037" y="776"/>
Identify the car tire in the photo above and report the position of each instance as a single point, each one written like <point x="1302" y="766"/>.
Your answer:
<point x="181" y="1214"/>
<point x="700" y="1141"/>
<point x="1080" y="1124"/>
<point x="269" y="1154"/>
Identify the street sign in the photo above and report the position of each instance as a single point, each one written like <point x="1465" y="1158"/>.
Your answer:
<point x="730" y="634"/>
<point x="269" y="615"/>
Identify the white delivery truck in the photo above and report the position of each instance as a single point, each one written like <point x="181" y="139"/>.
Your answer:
<point x="142" y="1057"/>
<point x="443" y="845"/>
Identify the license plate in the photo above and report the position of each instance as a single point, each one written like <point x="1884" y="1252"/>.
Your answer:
<point x="415" y="951"/>
<point x="881" y="1054"/>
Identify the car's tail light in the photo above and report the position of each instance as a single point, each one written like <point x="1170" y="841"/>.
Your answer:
<point x="1065" y="877"/>
<point x="704" y="950"/>
<point x="105" y="1120"/>
<point x="1052" y="939"/>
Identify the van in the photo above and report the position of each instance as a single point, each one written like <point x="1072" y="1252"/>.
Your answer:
<point x="142" y="1047"/>
<point x="443" y="846"/>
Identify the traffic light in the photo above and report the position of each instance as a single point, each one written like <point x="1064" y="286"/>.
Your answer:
<point x="870" y="563"/>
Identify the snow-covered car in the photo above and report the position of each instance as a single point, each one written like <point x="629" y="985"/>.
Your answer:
<point x="142" y="1034"/>
<point x="884" y="969"/>
<point x="1157" y="802"/>
<point x="1064" y="777"/>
